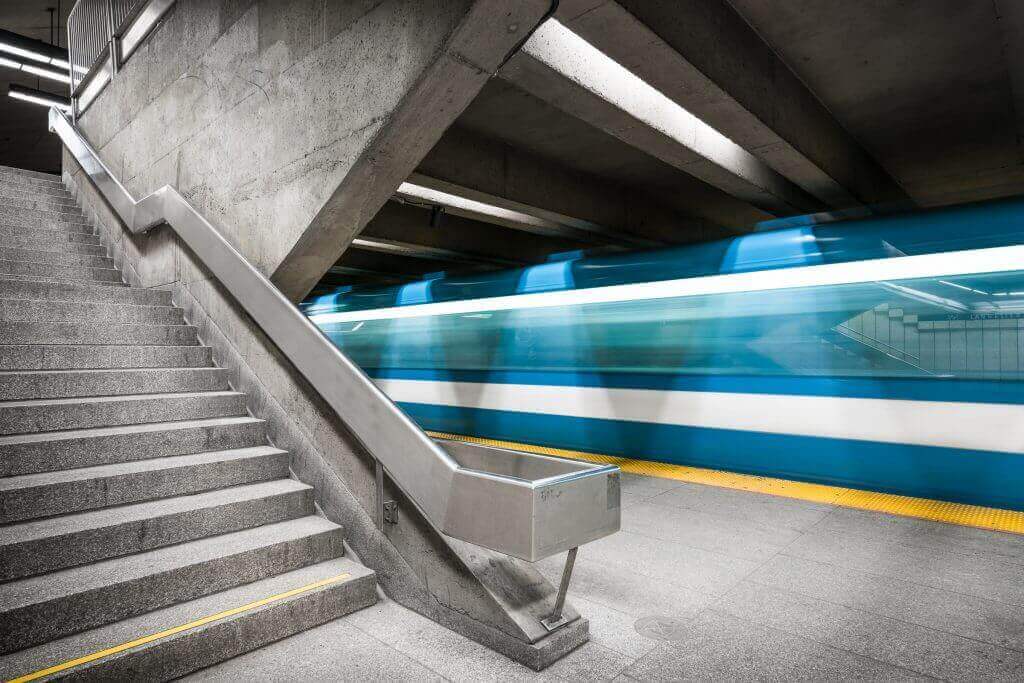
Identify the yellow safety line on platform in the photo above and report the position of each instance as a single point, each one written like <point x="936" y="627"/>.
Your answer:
<point x="904" y="506"/>
<point x="177" y="629"/>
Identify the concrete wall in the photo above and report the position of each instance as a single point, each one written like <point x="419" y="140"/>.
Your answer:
<point x="288" y="124"/>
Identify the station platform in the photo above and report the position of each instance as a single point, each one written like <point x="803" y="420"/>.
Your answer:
<point x="713" y="583"/>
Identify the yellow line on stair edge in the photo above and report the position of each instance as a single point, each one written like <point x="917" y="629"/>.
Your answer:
<point x="904" y="506"/>
<point x="57" y="668"/>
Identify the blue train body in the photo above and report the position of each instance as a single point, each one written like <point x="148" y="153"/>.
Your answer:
<point x="883" y="353"/>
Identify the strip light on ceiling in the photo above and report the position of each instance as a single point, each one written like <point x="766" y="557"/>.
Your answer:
<point x="992" y="260"/>
<point x="38" y="97"/>
<point x="46" y="73"/>
<point x="37" y="51"/>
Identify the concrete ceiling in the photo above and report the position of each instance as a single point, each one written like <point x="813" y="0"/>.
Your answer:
<point x="24" y="139"/>
<point x="934" y="89"/>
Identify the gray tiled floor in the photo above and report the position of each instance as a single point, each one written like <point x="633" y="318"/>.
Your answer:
<point x="742" y="586"/>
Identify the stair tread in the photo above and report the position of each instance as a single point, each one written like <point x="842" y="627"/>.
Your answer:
<point x="132" y="628"/>
<point x="24" y="481"/>
<point x="71" y="523"/>
<point x="112" y="399"/>
<point x="68" y="434"/>
<point x="44" y="588"/>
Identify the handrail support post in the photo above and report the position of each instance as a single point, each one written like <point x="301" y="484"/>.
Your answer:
<point x="556" y="619"/>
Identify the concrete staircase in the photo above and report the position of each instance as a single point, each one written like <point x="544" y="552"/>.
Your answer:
<point x="137" y="495"/>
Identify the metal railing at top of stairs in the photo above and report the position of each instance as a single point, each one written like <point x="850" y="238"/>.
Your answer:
<point x="524" y="505"/>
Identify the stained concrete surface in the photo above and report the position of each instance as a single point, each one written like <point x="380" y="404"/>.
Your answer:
<point x="706" y="583"/>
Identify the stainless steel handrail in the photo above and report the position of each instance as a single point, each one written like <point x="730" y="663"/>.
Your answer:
<point x="526" y="517"/>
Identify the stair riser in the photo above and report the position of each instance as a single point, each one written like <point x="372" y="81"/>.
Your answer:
<point x="12" y="215"/>
<point x="13" y="232"/>
<point x="87" y="245"/>
<point x="59" y="259"/>
<point x="81" y="333"/>
<point x="8" y="226"/>
<point x="44" y="209"/>
<point x="50" y="357"/>
<point x="92" y="545"/>
<point x="107" y="449"/>
<point x="54" y="177"/>
<point x="47" y="418"/>
<point x="30" y="385"/>
<point x="17" y="180"/>
<point x="12" y="310"/>
<point x="68" y="292"/>
<point x="65" y="273"/>
<point x="38" y="200"/>
<point x="172" y="658"/>
<point x="62" y="498"/>
<point x="46" y="621"/>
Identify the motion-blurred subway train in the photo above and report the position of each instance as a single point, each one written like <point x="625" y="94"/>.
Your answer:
<point x="882" y="353"/>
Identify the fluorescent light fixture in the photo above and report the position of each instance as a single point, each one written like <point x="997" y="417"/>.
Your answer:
<point x="949" y="264"/>
<point x="9" y="63"/>
<point x="472" y="208"/>
<point x="27" y="54"/>
<point x="46" y="73"/>
<point x="38" y="97"/>
<point x="30" y="48"/>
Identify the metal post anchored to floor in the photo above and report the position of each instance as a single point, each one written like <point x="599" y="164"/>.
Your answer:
<point x="556" y="619"/>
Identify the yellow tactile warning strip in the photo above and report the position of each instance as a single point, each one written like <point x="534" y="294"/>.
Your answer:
<point x="57" y="668"/>
<point x="904" y="506"/>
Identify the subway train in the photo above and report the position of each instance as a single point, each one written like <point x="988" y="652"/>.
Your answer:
<point x="883" y="352"/>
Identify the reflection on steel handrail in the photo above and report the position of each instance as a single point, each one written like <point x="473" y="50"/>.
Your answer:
<point x="530" y="508"/>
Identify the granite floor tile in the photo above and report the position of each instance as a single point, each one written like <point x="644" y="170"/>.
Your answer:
<point x="720" y="647"/>
<point x="969" y="616"/>
<point x="924" y="650"/>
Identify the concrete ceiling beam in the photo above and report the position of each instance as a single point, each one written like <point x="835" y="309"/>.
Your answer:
<point x="702" y="55"/>
<point x="560" y="67"/>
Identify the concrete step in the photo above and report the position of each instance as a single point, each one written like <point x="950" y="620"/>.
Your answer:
<point x="33" y="384"/>
<point x="87" y="333"/>
<point x="74" y="448"/>
<point x="65" y="292"/>
<point x="70" y="211"/>
<point x="58" y="200"/>
<point x="40" y="203"/>
<point x="40" y="278"/>
<point x="85" y="356"/>
<point x="85" y="244"/>
<point x="55" y="236"/>
<point x="14" y="179"/>
<point x="26" y="227"/>
<point x="28" y="173"/>
<point x="44" y="494"/>
<point x="47" y="545"/>
<point x="55" y="256"/>
<point x="58" y="195"/>
<point x="54" y="271"/>
<point x="48" y="415"/>
<point x="32" y="310"/>
<point x="334" y="588"/>
<point x="13" y="215"/>
<point x="109" y="591"/>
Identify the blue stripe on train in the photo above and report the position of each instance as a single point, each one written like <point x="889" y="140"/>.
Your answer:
<point x="912" y="389"/>
<point x="965" y="476"/>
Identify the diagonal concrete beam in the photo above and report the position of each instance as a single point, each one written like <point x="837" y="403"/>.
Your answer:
<point x="705" y="57"/>
<point x="420" y="103"/>
<point x="562" y="68"/>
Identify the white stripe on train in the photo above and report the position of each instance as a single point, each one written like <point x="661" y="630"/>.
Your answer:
<point x="976" y="426"/>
